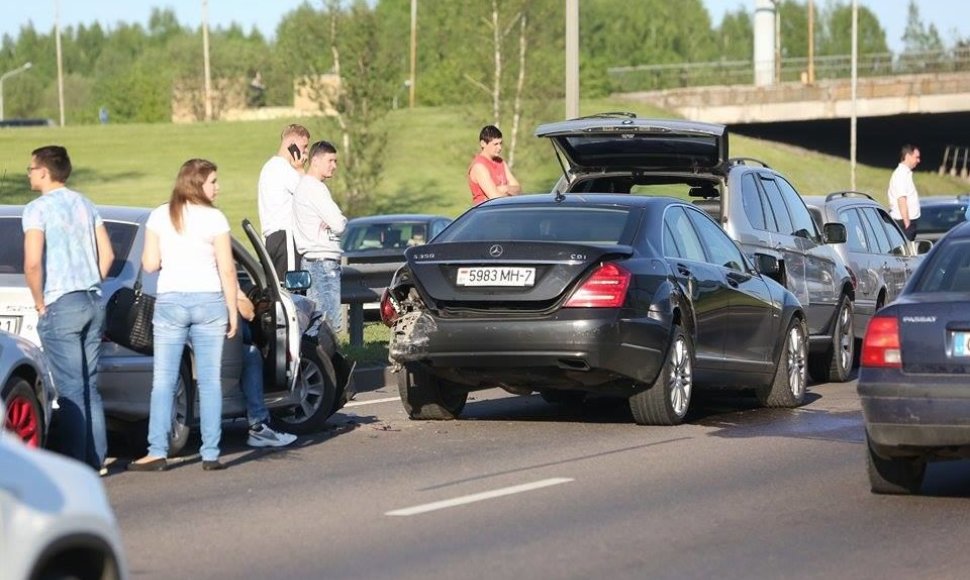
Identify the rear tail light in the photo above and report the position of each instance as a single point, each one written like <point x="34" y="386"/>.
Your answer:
<point x="389" y="312"/>
<point x="606" y="288"/>
<point x="880" y="347"/>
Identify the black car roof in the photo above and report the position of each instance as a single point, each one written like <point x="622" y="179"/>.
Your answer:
<point x="961" y="199"/>
<point x="396" y="217"/>
<point x="623" y="199"/>
<point x="961" y="230"/>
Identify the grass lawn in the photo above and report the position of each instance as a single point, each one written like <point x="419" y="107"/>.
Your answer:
<point x="428" y="150"/>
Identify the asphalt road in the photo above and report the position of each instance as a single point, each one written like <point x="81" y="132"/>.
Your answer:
<point x="522" y="489"/>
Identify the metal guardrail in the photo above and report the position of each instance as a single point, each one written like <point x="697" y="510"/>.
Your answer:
<point x="735" y="72"/>
<point x="362" y="284"/>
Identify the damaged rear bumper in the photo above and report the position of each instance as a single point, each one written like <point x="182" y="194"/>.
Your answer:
<point x="572" y="348"/>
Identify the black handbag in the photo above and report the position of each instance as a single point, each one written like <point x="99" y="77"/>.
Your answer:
<point x="128" y="318"/>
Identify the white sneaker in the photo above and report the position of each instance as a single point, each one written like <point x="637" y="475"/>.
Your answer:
<point x="262" y="436"/>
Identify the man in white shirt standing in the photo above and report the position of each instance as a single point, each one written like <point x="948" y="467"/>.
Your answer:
<point x="277" y="184"/>
<point x="903" y="197"/>
<point x="317" y="225"/>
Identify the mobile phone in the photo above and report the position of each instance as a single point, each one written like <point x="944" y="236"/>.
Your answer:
<point x="295" y="152"/>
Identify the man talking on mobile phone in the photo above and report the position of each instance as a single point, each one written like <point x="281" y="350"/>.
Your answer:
<point x="277" y="183"/>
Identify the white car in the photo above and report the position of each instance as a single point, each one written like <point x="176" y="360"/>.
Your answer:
<point x="55" y="519"/>
<point x="26" y="388"/>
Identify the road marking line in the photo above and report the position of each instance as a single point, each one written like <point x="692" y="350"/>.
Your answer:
<point x="440" y="505"/>
<point x="372" y="402"/>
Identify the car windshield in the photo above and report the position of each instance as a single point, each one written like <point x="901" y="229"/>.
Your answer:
<point x="122" y="236"/>
<point x="940" y="218"/>
<point x="384" y="236"/>
<point x="949" y="269"/>
<point x="588" y="225"/>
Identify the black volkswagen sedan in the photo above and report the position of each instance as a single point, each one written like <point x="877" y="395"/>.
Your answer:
<point x="643" y="298"/>
<point x="914" y="378"/>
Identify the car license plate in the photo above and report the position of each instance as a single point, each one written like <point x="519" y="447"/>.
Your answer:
<point x="495" y="276"/>
<point x="10" y="323"/>
<point x="961" y="344"/>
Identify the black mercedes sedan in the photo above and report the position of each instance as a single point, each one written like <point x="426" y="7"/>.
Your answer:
<point x="643" y="298"/>
<point x="914" y="376"/>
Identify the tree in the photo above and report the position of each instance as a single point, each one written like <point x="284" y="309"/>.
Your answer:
<point x="735" y="37"/>
<point x="836" y="37"/>
<point x="917" y="38"/>
<point x="359" y="100"/>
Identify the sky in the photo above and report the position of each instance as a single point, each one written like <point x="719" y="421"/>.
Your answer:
<point x="951" y="17"/>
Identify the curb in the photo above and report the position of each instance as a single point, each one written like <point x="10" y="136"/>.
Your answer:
<point x="374" y="377"/>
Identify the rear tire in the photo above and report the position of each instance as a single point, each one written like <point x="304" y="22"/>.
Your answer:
<point x="426" y="397"/>
<point x="24" y="417"/>
<point x="666" y="402"/>
<point x="791" y="378"/>
<point x="835" y="364"/>
<point x="896" y="475"/>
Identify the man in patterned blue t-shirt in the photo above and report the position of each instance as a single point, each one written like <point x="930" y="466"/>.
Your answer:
<point x="67" y="253"/>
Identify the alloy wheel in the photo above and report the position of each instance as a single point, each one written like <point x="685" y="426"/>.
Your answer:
<point x="846" y="338"/>
<point x="681" y="378"/>
<point x="797" y="361"/>
<point x="23" y="421"/>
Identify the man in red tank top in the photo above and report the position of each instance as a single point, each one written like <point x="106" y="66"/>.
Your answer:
<point x="488" y="175"/>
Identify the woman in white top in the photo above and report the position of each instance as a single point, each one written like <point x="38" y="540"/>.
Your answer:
<point x="188" y="240"/>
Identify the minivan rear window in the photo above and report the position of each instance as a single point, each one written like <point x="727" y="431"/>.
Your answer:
<point x="588" y="225"/>
<point x="122" y="237"/>
<point x="12" y="250"/>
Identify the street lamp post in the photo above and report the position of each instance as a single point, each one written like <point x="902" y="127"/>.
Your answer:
<point x="7" y="75"/>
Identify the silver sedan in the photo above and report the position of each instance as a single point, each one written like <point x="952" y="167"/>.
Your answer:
<point x="306" y="378"/>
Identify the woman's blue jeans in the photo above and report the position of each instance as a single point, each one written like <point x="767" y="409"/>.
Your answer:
<point x="200" y="318"/>
<point x="70" y="332"/>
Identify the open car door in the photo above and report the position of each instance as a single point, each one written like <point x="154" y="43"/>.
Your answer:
<point x="278" y="323"/>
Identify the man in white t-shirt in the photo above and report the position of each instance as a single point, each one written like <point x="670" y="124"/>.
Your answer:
<point x="903" y="197"/>
<point x="277" y="184"/>
<point x="317" y="225"/>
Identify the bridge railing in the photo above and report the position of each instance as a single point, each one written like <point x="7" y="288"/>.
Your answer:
<point x="741" y="72"/>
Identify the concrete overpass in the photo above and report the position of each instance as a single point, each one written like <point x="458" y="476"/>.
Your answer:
<point x="929" y="109"/>
<point x="934" y="93"/>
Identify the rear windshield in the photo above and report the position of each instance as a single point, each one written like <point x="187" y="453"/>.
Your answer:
<point x="948" y="270"/>
<point x="12" y="250"/>
<point x="940" y="218"/>
<point x="587" y="225"/>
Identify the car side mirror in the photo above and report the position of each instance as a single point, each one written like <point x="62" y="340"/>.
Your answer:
<point x="297" y="280"/>
<point x="768" y="265"/>
<point x="922" y="246"/>
<point x="835" y="233"/>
